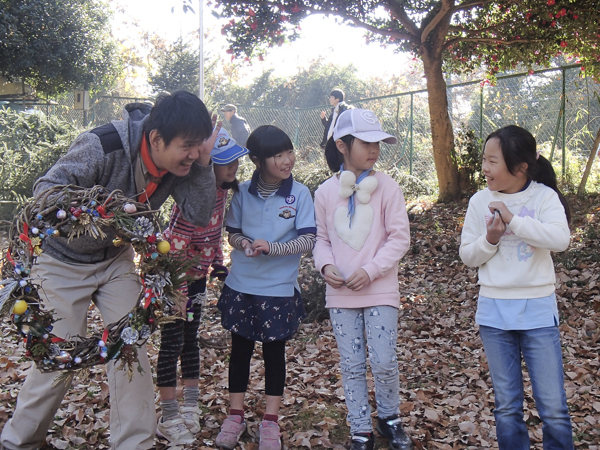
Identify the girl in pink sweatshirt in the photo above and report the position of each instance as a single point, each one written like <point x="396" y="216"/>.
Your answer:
<point x="362" y="232"/>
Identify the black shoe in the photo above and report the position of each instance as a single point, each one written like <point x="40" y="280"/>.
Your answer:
<point x="391" y="429"/>
<point x="362" y="442"/>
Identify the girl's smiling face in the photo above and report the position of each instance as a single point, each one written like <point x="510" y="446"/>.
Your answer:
<point x="496" y="172"/>
<point x="278" y="167"/>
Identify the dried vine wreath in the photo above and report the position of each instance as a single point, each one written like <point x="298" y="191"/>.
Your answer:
<point x="72" y="212"/>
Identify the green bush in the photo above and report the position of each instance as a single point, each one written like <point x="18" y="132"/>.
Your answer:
<point x="29" y="145"/>
<point x="468" y="148"/>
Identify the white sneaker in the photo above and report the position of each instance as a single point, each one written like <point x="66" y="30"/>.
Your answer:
<point x="174" y="431"/>
<point x="191" y="418"/>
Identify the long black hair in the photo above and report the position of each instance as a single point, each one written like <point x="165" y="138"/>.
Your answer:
<point x="519" y="146"/>
<point x="334" y="157"/>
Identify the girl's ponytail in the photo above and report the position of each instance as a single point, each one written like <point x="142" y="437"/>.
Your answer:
<point x="333" y="156"/>
<point x="543" y="172"/>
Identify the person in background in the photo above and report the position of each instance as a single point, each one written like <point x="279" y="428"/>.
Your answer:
<point x="336" y="100"/>
<point x="151" y="154"/>
<point x="362" y="233"/>
<point x="240" y="130"/>
<point x="179" y="339"/>
<point x="510" y="230"/>
<point x="271" y="223"/>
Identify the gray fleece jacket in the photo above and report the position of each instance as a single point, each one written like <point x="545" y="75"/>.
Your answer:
<point x="87" y="164"/>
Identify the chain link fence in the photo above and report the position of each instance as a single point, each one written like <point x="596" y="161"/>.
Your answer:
<point x="561" y="109"/>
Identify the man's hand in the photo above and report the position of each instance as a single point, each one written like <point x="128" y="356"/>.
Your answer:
<point x="323" y="114"/>
<point x="209" y="143"/>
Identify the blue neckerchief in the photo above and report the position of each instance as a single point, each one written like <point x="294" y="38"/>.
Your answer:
<point x="361" y="177"/>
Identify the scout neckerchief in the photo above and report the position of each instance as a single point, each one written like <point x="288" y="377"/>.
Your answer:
<point x="155" y="174"/>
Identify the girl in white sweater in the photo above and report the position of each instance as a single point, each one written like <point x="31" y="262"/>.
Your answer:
<point x="509" y="231"/>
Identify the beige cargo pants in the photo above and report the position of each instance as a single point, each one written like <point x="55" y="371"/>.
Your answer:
<point x="68" y="289"/>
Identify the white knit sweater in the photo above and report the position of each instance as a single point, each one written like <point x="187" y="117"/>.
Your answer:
<point x="520" y="265"/>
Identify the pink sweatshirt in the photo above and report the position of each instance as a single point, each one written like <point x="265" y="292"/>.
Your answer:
<point x="378" y="238"/>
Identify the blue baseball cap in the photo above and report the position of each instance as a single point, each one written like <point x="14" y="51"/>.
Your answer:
<point x="226" y="150"/>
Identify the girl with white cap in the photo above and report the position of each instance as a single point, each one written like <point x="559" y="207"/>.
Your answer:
<point x="362" y="232"/>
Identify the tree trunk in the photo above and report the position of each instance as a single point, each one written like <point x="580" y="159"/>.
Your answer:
<point x="588" y="166"/>
<point x="441" y="130"/>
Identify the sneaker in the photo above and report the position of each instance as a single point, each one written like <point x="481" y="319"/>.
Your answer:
<point x="362" y="442"/>
<point x="270" y="437"/>
<point x="174" y="431"/>
<point x="191" y="418"/>
<point x="391" y="429"/>
<point x="232" y="429"/>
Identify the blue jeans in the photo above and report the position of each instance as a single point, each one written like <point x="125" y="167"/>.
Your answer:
<point x="541" y="351"/>
<point x="357" y="331"/>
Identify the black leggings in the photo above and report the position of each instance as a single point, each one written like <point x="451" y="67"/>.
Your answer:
<point x="179" y="341"/>
<point x="239" y="365"/>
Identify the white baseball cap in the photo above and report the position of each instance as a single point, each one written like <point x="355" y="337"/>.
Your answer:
<point x="362" y="124"/>
<point x="226" y="150"/>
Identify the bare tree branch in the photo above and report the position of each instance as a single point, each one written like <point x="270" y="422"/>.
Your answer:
<point x="397" y="8"/>
<point x="490" y="41"/>
<point x="468" y="4"/>
<point x="446" y="8"/>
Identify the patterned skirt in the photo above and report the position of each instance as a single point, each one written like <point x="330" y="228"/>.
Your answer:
<point x="260" y="318"/>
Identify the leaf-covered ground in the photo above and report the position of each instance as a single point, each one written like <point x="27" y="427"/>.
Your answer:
<point x="446" y="389"/>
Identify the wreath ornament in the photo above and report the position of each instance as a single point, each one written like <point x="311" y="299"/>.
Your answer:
<point x="73" y="212"/>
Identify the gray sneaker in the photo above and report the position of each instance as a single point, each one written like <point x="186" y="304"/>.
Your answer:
<point x="232" y="429"/>
<point x="191" y="417"/>
<point x="174" y="431"/>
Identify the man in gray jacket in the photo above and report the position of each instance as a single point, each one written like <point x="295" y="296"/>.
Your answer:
<point x="152" y="153"/>
<point x="240" y="130"/>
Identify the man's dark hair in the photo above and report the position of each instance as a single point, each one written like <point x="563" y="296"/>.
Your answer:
<point x="337" y="93"/>
<point x="180" y="114"/>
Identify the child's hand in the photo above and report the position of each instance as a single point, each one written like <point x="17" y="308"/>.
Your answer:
<point x="332" y="276"/>
<point x="248" y="250"/>
<point x="495" y="228"/>
<point x="219" y="272"/>
<point x="358" y="280"/>
<point x="260" y="246"/>
<point x="505" y="214"/>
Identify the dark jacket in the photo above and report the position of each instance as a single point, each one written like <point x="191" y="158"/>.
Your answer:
<point x="88" y="164"/>
<point x="240" y="130"/>
<point x="327" y="121"/>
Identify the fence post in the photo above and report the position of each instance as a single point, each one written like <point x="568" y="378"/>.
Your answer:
<point x="561" y="113"/>
<point x="411" y="134"/>
<point x="481" y="112"/>
<point x="297" y="134"/>
<point x="564" y="120"/>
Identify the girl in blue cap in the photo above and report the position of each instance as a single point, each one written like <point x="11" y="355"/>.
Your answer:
<point x="179" y="339"/>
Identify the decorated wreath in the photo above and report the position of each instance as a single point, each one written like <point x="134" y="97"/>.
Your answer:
<point x="72" y="212"/>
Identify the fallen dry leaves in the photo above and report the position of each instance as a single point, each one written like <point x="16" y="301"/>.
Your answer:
<point x="446" y="389"/>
